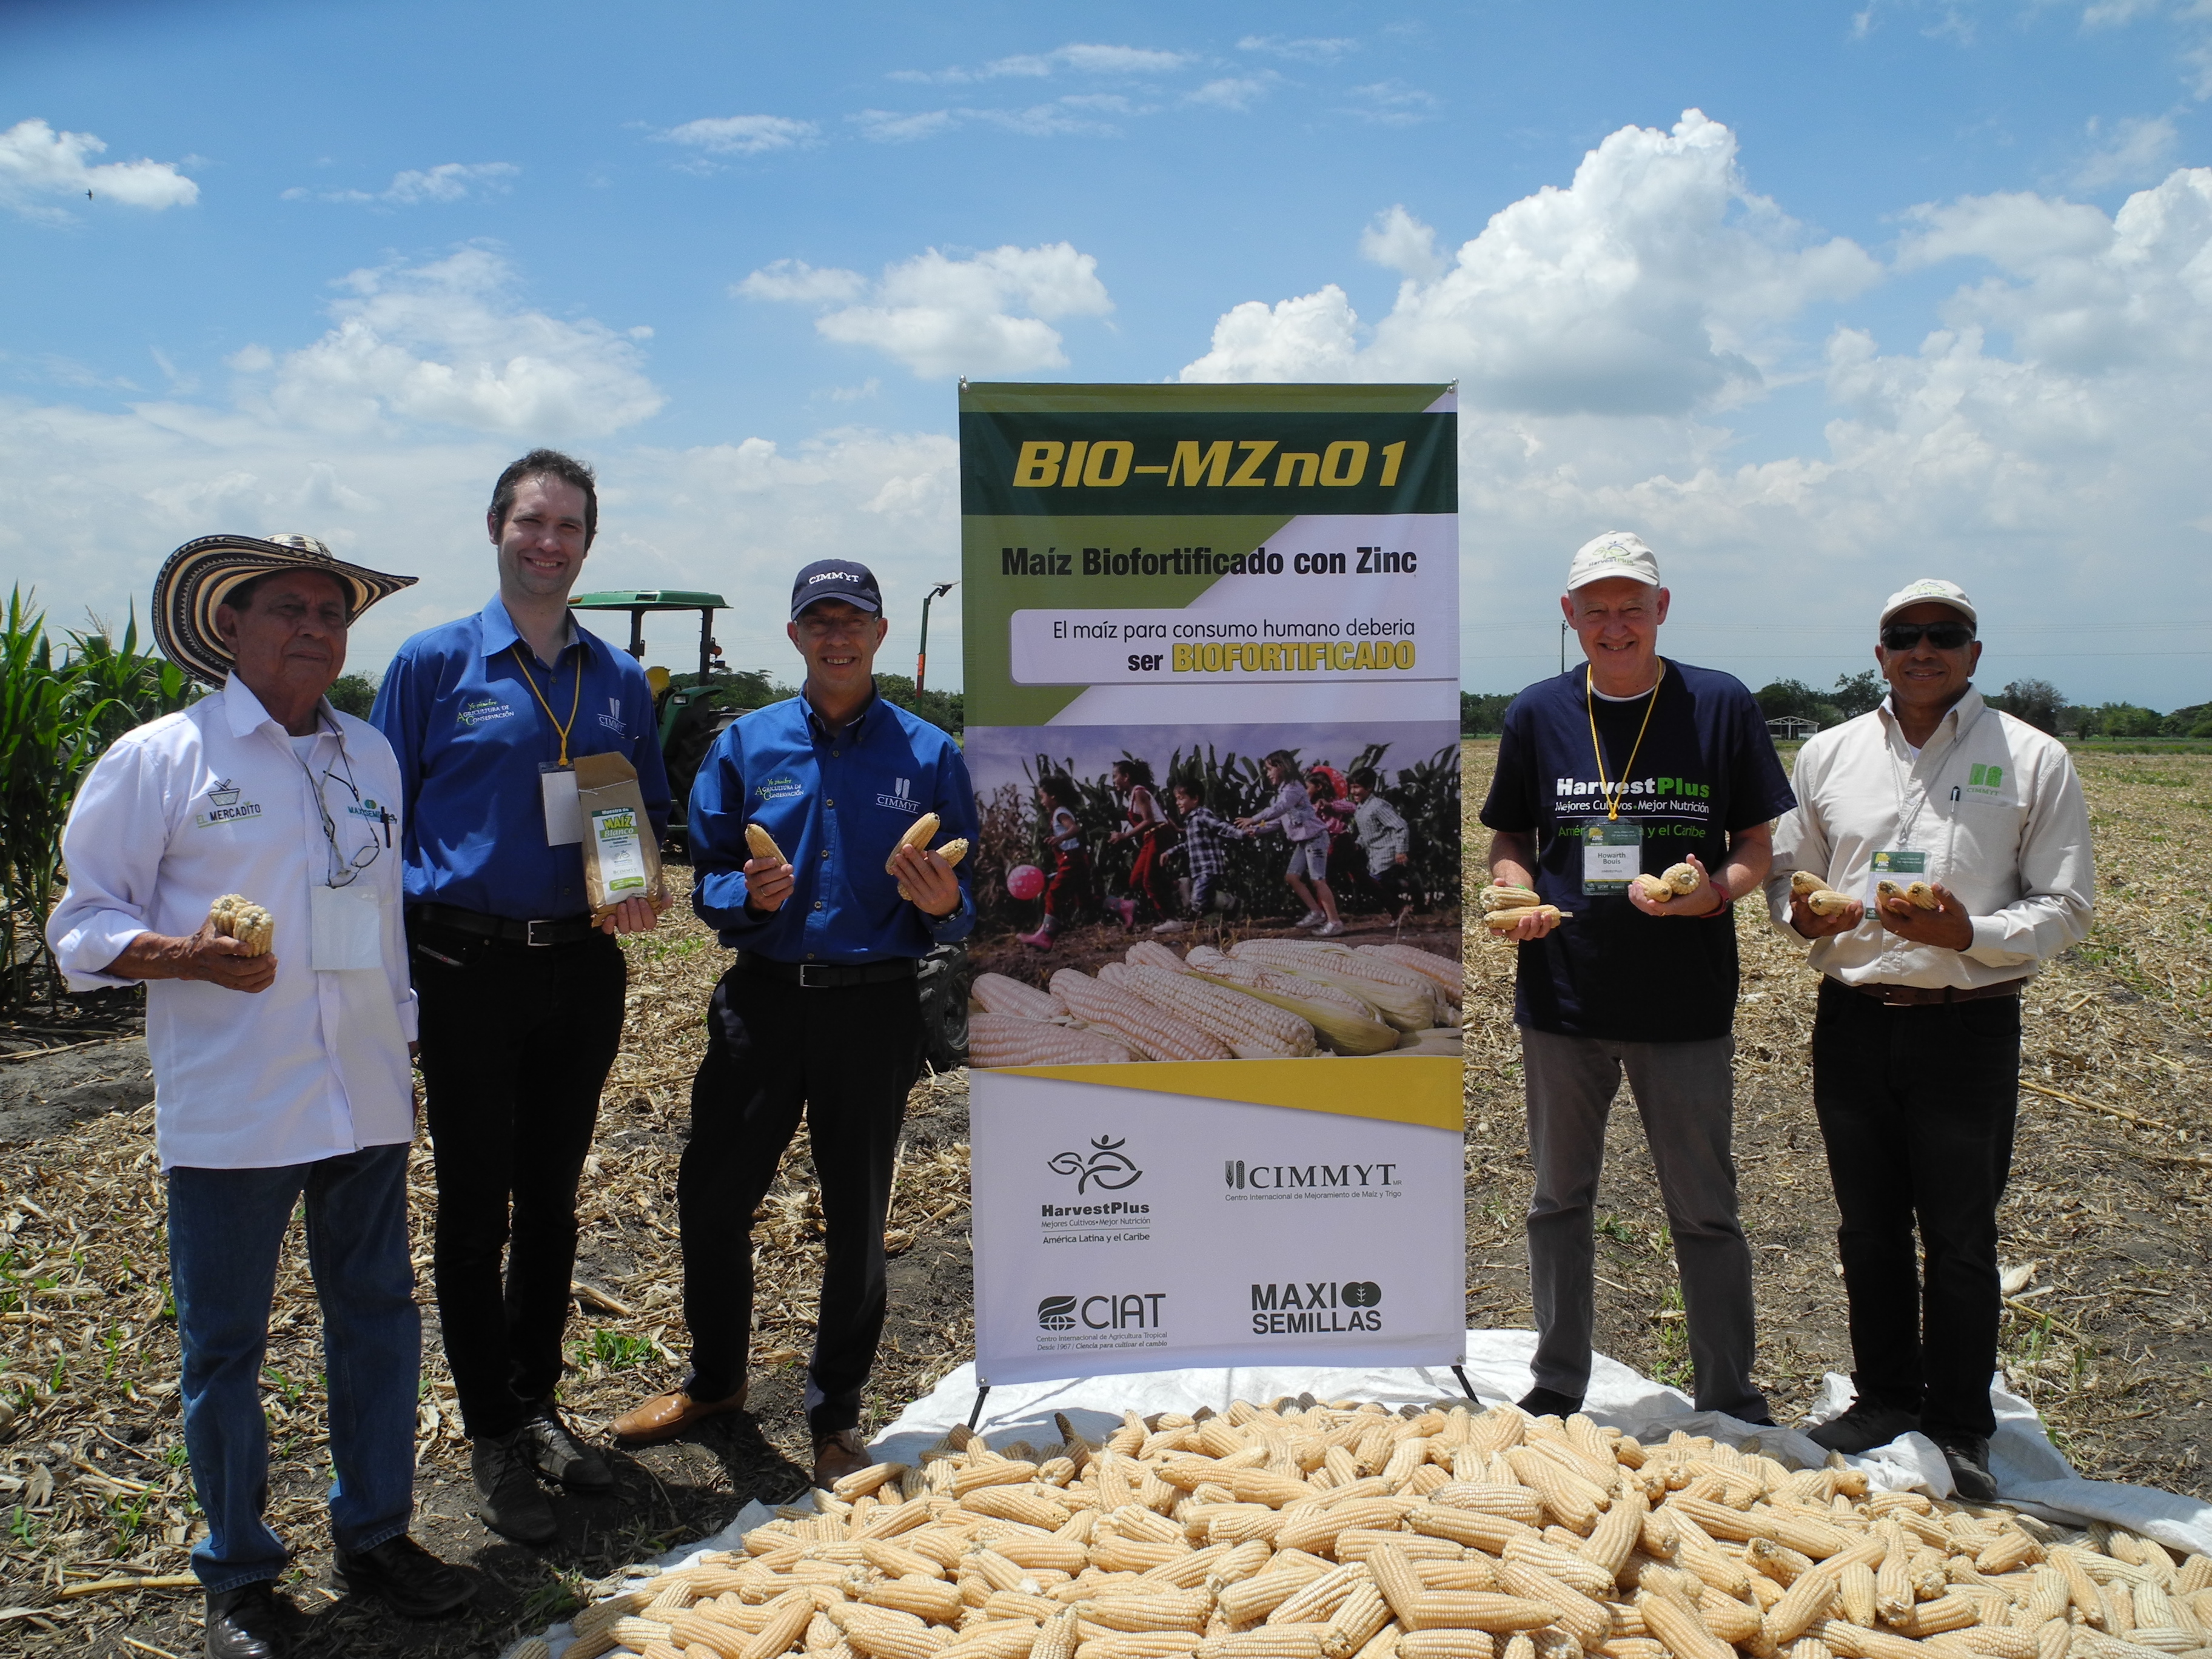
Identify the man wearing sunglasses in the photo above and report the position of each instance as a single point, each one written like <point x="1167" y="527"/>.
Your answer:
<point x="1959" y="837"/>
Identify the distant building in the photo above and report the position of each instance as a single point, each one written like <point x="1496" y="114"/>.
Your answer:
<point x="1791" y="729"/>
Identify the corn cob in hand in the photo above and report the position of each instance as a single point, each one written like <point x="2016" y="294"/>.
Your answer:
<point x="235" y="917"/>
<point x="1819" y="898"/>
<point x="763" y="845"/>
<point x="1678" y="880"/>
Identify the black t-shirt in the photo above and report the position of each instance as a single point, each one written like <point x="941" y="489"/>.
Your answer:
<point x="1706" y="767"/>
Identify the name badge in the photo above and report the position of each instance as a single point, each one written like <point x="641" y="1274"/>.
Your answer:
<point x="564" y="817"/>
<point x="1612" y="856"/>
<point x="1898" y="865"/>
<point x="346" y="929"/>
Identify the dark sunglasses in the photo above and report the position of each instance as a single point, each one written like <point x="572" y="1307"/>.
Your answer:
<point x="1944" y="636"/>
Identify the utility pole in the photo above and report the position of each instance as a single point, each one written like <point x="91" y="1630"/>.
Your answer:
<point x="921" y="656"/>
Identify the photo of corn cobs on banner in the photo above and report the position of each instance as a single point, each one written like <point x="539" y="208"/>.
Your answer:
<point x="1504" y="906"/>
<point x="1261" y="999"/>
<point x="1333" y="1532"/>
<point x="235" y="917"/>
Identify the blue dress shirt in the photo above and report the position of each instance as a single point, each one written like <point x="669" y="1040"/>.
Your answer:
<point x="837" y="807"/>
<point x="471" y="737"/>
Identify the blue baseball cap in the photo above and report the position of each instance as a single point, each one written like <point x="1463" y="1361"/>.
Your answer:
<point x="835" y="579"/>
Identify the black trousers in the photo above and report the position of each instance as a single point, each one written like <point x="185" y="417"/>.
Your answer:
<point x="1917" y="1105"/>
<point x="846" y="1058"/>
<point x="517" y="1042"/>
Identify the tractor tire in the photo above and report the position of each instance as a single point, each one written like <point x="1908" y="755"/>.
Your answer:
<point x="941" y="982"/>
<point x="696" y="728"/>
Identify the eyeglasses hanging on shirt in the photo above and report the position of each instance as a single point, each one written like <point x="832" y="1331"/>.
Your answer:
<point x="556" y="782"/>
<point x="345" y="924"/>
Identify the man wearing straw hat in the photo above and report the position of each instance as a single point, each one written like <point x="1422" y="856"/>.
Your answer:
<point x="280" y="1064"/>
<point x="522" y="994"/>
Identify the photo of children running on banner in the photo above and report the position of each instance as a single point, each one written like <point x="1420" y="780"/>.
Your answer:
<point x="1111" y="868"/>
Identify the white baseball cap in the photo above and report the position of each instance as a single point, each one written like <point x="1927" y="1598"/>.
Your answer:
<point x="1616" y="553"/>
<point x="1929" y="590"/>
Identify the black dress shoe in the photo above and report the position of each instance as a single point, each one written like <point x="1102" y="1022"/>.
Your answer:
<point x="1549" y="1402"/>
<point x="405" y="1578"/>
<point x="1863" y="1427"/>
<point x="510" y="1500"/>
<point x="246" y="1622"/>
<point x="559" y="1455"/>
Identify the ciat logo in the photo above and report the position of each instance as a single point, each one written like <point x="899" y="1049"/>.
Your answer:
<point x="1105" y="1165"/>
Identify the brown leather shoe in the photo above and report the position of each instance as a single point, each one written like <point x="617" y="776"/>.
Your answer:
<point x="836" y="1456"/>
<point x="665" y="1416"/>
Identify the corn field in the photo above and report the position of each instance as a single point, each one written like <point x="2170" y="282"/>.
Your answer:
<point x="56" y="715"/>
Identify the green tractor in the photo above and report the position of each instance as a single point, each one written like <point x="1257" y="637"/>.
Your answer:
<point x="695" y="709"/>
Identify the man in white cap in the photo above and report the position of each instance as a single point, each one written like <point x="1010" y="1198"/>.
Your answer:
<point x="1625" y="767"/>
<point x="1959" y="837"/>
<point x="280" y="1061"/>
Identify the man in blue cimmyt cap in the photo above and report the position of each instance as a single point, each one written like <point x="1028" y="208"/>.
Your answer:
<point x="819" y="1014"/>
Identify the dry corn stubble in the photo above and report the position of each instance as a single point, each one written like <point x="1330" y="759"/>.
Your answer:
<point x="1657" y="1547"/>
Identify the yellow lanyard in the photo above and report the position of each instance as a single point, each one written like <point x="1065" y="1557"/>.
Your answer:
<point x="1590" y="707"/>
<point x="576" y="703"/>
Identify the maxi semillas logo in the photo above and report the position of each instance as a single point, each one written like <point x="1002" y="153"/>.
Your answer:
<point x="1308" y="1308"/>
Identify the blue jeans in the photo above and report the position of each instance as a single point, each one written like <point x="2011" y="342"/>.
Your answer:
<point x="226" y="1230"/>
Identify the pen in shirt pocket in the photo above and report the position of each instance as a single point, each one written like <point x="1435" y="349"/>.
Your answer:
<point x="1954" y="792"/>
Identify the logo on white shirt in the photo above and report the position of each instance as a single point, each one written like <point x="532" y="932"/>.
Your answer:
<point x="224" y="806"/>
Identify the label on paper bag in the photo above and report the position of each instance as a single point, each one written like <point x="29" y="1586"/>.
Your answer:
<point x="620" y="855"/>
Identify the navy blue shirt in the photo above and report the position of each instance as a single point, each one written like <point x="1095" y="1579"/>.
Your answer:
<point x="1706" y="767"/>
<point x="471" y="738"/>
<point x="837" y="807"/>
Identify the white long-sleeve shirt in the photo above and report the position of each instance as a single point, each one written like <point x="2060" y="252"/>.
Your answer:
<point x="1996" y="808"/>
<point x="215" y="800"/>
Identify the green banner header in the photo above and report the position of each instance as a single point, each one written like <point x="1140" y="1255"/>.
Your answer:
<point x="1277" y="461"/>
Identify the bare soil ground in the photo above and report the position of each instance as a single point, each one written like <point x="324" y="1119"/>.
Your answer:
<point x="2112" y="1199"/>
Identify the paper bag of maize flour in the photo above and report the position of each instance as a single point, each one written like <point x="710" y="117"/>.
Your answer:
<point x="622" y="855"/>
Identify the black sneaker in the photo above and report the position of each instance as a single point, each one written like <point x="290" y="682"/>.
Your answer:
<point x="1550" y="1402"/>
<point x="246" y="1622"/>
<point x="559" y="1457"/>
<point x="1864" y="1427"/>
<point x="513" y="1503"/>
<point x="1968" y="1454"/>
<point x="406" y="1578"/>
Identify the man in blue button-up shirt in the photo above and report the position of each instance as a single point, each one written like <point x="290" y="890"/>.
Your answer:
<point x="819" y="1013"/>
<point x="521" y="995"/>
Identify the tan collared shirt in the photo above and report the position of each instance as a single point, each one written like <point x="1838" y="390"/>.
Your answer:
<point x="1993" y="804"/>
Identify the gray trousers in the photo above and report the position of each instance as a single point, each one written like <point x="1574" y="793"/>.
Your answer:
<point x="1685" y="1092"/>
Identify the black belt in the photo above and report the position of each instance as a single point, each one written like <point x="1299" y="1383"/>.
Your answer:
<point x="561" y="930"/>
<point x="1921" y="996"/>
<point x="827" y="976"/>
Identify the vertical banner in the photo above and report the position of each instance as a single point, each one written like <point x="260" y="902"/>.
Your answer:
<point x="1213" y="719"/>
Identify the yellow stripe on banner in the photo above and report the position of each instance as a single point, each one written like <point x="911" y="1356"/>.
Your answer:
<point x="1397" y="1088"/>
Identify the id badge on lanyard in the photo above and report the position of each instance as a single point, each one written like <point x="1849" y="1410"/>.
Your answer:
<point x="346" y="929"/>
<point x="1899" y="864"/>
<point x="564" y="814"/>
<point x="1612" y="856"/>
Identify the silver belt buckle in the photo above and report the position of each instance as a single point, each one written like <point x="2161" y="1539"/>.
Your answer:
<point x="532" y="938"/>
<point x="806" y="984"/>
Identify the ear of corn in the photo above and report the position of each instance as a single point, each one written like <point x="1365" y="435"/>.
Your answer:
<point x="1329" y="1532"/>
<point x="1504" y="922"/>
<point x="762" y="844"/>
<point x="1399" y="1002"/>
<point x="1345" y="1031"/>
<point x="953" y="852"/>
<point x="1921" y="896"/>
<point x="1804" y="882"/>
<point x="996" y="993"/>
<point x="1447" y="971"/>
<point x="235" y="917"/>
<point x="1152" y="1031"/>
<point x="1827" y="903"/>
<point x="1507" y="896"/>
<point x="917" y="834"/>
<point x="1009" y="1040"/>
<point x="1252" y="1029"/>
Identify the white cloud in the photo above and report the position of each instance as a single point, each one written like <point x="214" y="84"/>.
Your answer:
<point x="447" y="344"/>
<point x="1310" y="49"/>
<point x="449" y="181"/>
<point x="1654" y="283"/>
<point x="742" y="135"/>
<point x="1394" y="104"/>
<point x="893" y="127"/>
<point x="36" y="161"/>
<point x="2136" y="150"/>
<point x="1232" y="92"/>
<point x="1084" y="59"/>
<point x="984" y="315"/>
<point x="1398" y="241"/>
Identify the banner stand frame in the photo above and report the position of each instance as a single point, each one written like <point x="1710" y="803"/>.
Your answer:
<point x="976" y="1411"/>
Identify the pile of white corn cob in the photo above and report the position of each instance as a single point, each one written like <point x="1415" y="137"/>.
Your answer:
<point x="1342" y="1532"/>
<point x="1264" y="999"/>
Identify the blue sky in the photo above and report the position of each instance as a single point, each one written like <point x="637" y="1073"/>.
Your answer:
<point x="1917" y="288"/>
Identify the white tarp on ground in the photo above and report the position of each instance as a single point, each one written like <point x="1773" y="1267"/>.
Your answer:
<point x="2031" y="1472"/>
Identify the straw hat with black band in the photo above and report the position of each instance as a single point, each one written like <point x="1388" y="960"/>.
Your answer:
<point x="203" y="573"/>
